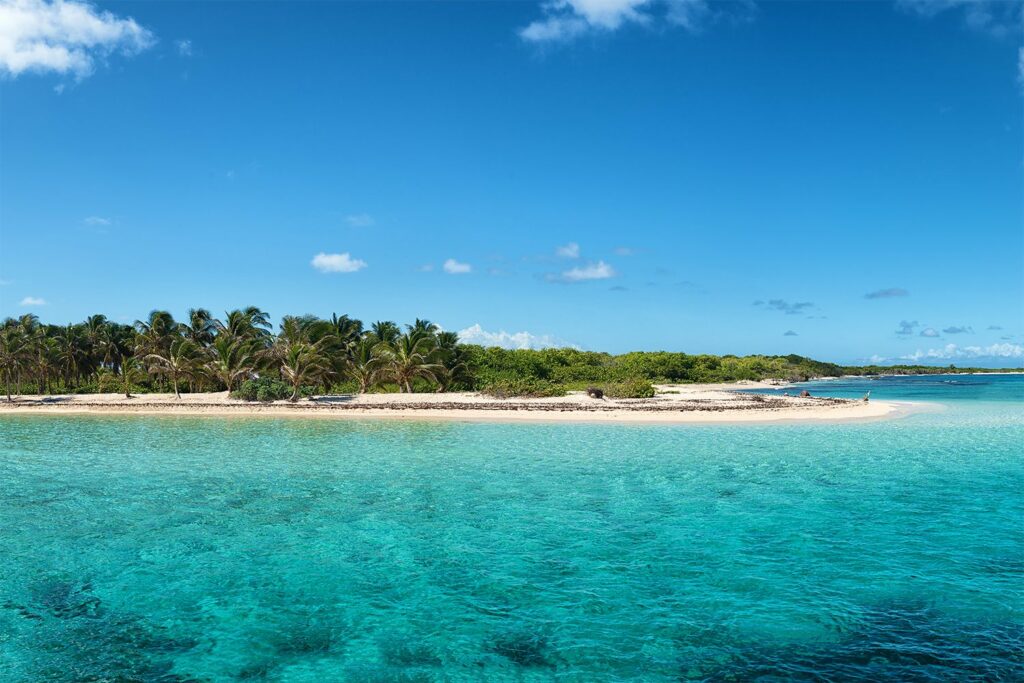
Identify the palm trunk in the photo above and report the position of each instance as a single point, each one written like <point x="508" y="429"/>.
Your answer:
<point x="174" y="380"/>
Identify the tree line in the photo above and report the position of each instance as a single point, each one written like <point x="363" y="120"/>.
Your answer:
<point x="242" y="354"/>
<point x="204" y="353"/>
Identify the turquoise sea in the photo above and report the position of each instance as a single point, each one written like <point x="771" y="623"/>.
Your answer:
<point x="226" y="549"/>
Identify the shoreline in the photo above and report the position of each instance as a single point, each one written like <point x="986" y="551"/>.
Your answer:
<point x="677" y="404"/>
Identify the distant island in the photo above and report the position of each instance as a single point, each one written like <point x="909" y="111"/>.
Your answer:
<point x="308" y="356"/>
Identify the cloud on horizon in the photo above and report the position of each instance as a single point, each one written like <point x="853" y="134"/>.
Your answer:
<point x="64" y="37"/>
<point x="475" y="334"/>
<point x="954" y="329"/>
<point x="790" y="333"/>
<point x="591" y="271"/>
<point x="784" y="306"/>
<point x="889" y="293"/>
<point x="954" y="352"/>
<point x="337" y="263"/>
<point x="453" y="267"/>
<point x="33" y="301"/>
<point x="929" y="332"/>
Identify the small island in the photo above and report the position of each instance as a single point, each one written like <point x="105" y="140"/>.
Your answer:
<point x="337" y="367"/>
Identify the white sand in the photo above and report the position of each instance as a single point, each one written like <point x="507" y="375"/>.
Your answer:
<point x="705" y="403"/>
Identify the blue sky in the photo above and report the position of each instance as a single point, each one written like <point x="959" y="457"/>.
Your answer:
<point x="840" y="180"/>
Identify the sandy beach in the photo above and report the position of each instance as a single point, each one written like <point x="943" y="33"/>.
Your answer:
<point x="708" y="403"/>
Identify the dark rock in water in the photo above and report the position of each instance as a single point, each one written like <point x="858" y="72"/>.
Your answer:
<point x="526" y="650"/>
<point x="594" y="392"/>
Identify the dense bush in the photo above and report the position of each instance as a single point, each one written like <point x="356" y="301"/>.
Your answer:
<point x="630" y="388"/>
<point x="267" y="389"/>
<point x="522" y="387"/>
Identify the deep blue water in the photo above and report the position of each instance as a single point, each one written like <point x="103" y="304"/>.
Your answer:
<point x="207" y="549"/>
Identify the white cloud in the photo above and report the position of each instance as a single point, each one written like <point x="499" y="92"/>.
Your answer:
<point x="1020" y="66"/>
<point x="63" y="37"/>
<point x="96" y="220"/>
<point x="954" y="352"/>
<point x="184" y="47"/>
<point x="33" y="301"/>
<point x="506" y="340"/>
<point x="360" y="220"/>
<point x="337" y="263"/>
<point x="453" y="267"/>
<point x="591" y="271"/>
<point x="565" y="20"/>
<point x="571" y="250"/>
<point x="995" y="17"/>
<point x="929" y="332"/>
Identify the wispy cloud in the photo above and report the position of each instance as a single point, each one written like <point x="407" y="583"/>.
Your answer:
<point x="889" y="293"/>
<point x="929" y="332"/>
<point x="337" y="263"/>
<point x="571" y="250"/>
<point x="359" y="220"/>
<point x="506" y="340"/>
<point x="790" y="333"/>
<point x="955" y="329"/>
<point x="995" y="328"/>
<point x="96" y="221"/>
<point x="63" y="37"/>
<point x="33" y="301"/>
<point x="953" y="352"/>
<point x="999" y="18"/>
<point x="907" y="327"/>
<point x="453" y="267"/>
<point x="184" y="47"/>
<point x="624" y="251"/>
<point x="426" y="268"/>
<point x="591" y="271"/>
<point x="784" y="306"/>
<point x="567" y="20"/>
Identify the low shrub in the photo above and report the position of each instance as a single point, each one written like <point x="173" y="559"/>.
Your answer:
<point x="630" y="388"/>
<point x="267" y="389"/>
<point x="522" y="387"/>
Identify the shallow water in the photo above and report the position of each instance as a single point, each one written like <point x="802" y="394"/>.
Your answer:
<point x="173" y="549"/>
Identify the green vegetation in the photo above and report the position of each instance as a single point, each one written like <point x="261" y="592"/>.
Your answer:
<point x="311" y="355"/>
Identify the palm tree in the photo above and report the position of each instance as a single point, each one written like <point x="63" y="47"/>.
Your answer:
<point x="348" y="330"/>
<point x="200" y="326"/>
<point x="180" y="360"/>
<point x="156" y="333"/>
<point x="231" y="358"/>
<point x="365" y="363"/>
<point x="301" y="362"/>
<point x="412" y="355"/>
<point x="71" y="353"/>
<point x="131" y="373"/>
<point x="385" y="331"/>
<point x="452" y="358"/>
<point x="248" y="323"/>
<point x="13" y="354"/>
